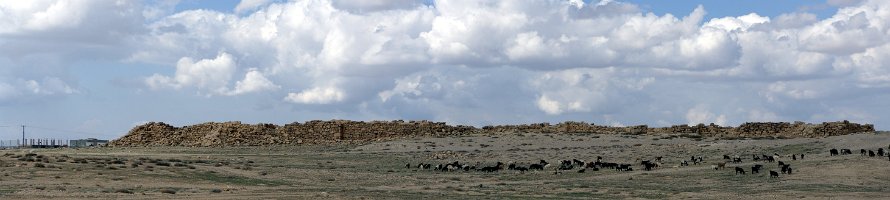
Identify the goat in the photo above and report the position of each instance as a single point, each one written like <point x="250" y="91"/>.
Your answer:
<point x="566" y="165"/>
<point x="793" y="156"/>
<point x="521" y="169"/>
<point x="833" y="152"/>
<point x="755" y="158"/>
<point x="648" y="165"/>
<point x="881" y="152"/>
<point x="785" y="168"/>
<point x="773" y="174"/>
<point x="739" y="170"/>
<point x="684" y="163"/>
<point x="756" y="169"/>
<point x="846" y="151"/>
<point x="719" y="166"/>
<point x="726" y="157"/>
<point x="781" y="163"/>
<point x="801" y="156"/>
<point x="871" y="153"/>
<point x="696" y="161"/>
<point x="862" y="152"/>
<point x="624" y="167"/>
<point x="580" y="163"/>
<point x="540" y="166"/>
<point x="770" y="159"/>
<point x="493" y="168"/>
<point x="736" y="160"/>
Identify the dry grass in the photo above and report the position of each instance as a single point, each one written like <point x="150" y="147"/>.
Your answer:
<point x="377" y="170"/>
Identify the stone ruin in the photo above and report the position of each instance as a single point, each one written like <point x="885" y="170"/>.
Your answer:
<point x="345" y="131"/>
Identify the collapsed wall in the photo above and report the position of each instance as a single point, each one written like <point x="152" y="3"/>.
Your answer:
<point x="317" y="131"/>
<point x="313" y="132"/>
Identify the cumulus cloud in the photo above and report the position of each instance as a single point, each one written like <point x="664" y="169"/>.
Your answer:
<point x="247" y="5"/>
<point x="701" y="115"/>
<point x="22" y="89"/>
<point x="575" y="57"/>
<point x="254" y="81"/>
<point x="316" y="96"/>
<point x="470" y="61"/>
<point x="211" y="76"/>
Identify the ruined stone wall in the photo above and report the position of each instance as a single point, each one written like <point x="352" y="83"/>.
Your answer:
<point x="317" y="131"/>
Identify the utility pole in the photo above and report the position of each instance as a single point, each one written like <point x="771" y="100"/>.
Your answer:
<point x="23" y="135"/>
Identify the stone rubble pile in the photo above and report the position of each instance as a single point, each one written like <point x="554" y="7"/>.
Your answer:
<point x="311" y="132"/>
<point x="344" y="131"/>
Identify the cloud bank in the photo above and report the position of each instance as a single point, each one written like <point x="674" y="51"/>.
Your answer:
<point x="478" y="62"/>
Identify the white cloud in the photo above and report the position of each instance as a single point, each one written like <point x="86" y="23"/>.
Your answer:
<point x="844" y="2"/>
<point x="211" y="76"/>
<point x="465" y="61"/>
<point x="375" y="5"/>
<point x="28" y="89"/>
<point x="317" y="95"/>
<point x="248" y="5"/>
<point x="206" y="74"/>
<point x="254" y="81"/>
<point x="700" y="115"/>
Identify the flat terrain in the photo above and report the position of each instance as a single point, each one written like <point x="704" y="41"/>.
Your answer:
<point x="377" y="170"/>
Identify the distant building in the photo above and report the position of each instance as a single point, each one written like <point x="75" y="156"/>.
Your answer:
<point x="89" y="142"/>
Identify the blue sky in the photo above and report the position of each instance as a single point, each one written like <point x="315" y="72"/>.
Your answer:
<point x="96" y="69"/>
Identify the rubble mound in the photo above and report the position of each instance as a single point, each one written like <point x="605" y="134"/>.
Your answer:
<point x="339" y="131"/>
<point x="311" y="132"/>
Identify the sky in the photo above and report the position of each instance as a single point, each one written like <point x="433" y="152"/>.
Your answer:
<point x="96" y="68"/>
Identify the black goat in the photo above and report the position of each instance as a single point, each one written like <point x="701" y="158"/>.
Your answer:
<point x="736" y="160"/>
<point x="773" y="174"/>
<point x="781" y="163"/>
<point x="739" y="170"/>
<point x="566" y="165"/>
<point x="521" y="169"/>
<point x="785" y="168"/>
<point x="862" y="152"/>
<point x="580" y="163"/>
<point x="881" y="152"/>
<point x="648" y="166"/>
<point x="846" y="151"/>
<point x="624" y="167"/>
<point x="756" y="169"/>
<point x="833" y="152"/>
<point x="793" y="156"/>
<point x="871" y="153"/>
<point x="540" y="166"/>
<point x="726" y="157"/>
<point x="495" y="168"/>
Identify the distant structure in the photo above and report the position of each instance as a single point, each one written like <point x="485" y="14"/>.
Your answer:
<point x="89" y="142"/>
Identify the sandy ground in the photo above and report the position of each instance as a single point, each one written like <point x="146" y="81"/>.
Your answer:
<point x="377" y="170"/>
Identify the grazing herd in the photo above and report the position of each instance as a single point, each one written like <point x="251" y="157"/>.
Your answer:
<point x="862" y="152"/>
<point x="583" y="166"/>
<point x="564" y="165"/>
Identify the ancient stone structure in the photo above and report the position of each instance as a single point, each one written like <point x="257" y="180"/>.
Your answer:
<point x="320" y="132"/>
